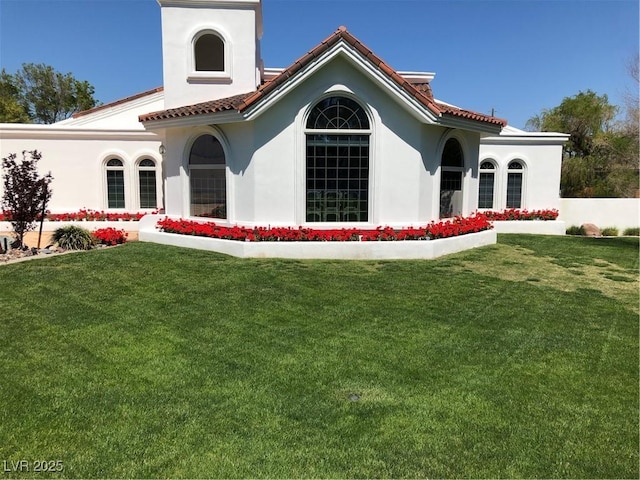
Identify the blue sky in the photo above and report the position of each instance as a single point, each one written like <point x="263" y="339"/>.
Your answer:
<point x="514" y="56"/>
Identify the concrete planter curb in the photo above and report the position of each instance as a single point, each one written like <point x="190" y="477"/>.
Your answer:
<point x="126" y="225"/>
<point x="393" y="250"/>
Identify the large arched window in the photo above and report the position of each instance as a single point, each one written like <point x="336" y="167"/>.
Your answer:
<point x="147" y="186"/>
<point x="209" y="53"/>
<point x="337" y="160"/>
<point x="515" y="174"/>
<point x="486" y="184"/>
<point x="115" y="183"/>
<point x="451" y="176"/>
<point x="207" y="176"/>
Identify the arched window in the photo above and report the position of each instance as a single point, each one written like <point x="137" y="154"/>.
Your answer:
<point x="115" y="183"/>
<point x="515" y="174"/>
<point x="147" y="183"/>
<point x="337" y="160"/>
<point x="451" y="176"/>
<point x="209" y="53"/>
<point x="207" y="176"/>
<point x="486" y="183"/>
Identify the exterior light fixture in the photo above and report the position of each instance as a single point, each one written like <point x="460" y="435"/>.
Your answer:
<point x="162" y="149"/>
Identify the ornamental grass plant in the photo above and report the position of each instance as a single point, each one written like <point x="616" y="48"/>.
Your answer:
<point x="72" y="237"/>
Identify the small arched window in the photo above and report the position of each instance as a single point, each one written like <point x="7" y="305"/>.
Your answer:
<point x="115" y="183"/>
<point x="451" y="176"/>
<point x="208" y="181"/>
<point x="486" y="184"/>
<point x="337" y="161"/>
<point x="209" y="53"/>
<point x="515" y="176"/>
<point x="147" y="183"/>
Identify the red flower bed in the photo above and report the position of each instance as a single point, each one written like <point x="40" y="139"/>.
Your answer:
<point x="515" y="214"/>
<point x="110" y="236"/>
<point x="85" y="215"/>
<point x="451" y="228"/>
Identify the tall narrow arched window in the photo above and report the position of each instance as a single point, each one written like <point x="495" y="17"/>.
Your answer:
<point x="337" y="161"/>
<point x="207" y="177"/>
<point x="515" y="174"/>
<point x="486" y="184"/>
<point x="115" y="183"/>
<point x="147" y="186"/>
<point x="451" y="176"/>
<point x="209" y="53"/>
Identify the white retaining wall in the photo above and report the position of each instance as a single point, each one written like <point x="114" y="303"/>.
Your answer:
<point x="127" y="226"/>
<point x="602" y="212"/>
<point x="407" y="249"/>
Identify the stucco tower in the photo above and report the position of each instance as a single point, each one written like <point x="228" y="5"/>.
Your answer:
<point x="210" y="49"/>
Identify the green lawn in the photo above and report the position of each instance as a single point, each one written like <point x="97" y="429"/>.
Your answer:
<point x="513" y="360"/>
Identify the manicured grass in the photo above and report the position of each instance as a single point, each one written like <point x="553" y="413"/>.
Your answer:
<point x="514" y="360"/>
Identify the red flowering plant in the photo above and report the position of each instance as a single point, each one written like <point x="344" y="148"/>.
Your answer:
<point x="445" y="229"/>
<point x="110" y="236"/>
<point x="86" y="215"/>
<point x="515" y="214"/>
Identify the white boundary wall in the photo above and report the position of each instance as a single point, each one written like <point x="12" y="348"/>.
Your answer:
<point x="602" y="212"/>
<point x="538" y="227"/>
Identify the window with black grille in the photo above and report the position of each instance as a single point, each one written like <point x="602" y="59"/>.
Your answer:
<point x="337" y="162"/>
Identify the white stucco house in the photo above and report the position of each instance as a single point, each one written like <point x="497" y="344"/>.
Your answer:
<point x="337" y="138"/>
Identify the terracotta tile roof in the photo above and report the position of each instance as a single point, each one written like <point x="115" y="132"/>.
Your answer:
<point x="421" y="92"/>
<point x="116" y="103"/>
<point x="212" y="106"/>
<point x="469" y="114"/>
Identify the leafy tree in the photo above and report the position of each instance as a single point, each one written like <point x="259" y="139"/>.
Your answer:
<point x="47" y="96"/>
<point x="583" y="117"/>
<point x="601" y="156"/>
<point x="11" y="111"/>
<point x="26" y="194"/>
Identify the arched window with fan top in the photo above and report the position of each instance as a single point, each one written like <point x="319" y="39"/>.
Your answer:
<point x="337" y="161"/>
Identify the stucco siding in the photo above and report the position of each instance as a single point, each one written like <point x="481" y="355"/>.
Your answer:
<point x="77" y="163"/>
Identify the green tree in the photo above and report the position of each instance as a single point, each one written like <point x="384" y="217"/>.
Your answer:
<point x="47" y="96"/>
<point x="584" y="117"/>
<point x="600" y="159"/>
<point x="11" y="111"/>
<point x="26" y="194"/>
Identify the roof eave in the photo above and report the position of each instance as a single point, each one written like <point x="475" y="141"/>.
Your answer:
<point x="527" y="138"/>
<point x="230" y="116"/>
<point x="452" y="121"/>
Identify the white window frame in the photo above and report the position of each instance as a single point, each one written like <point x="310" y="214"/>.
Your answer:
<point x="223" y="76"/>
<point x="365" y="132"/>
<point x="523" y="176"/>
<point x="495" y="171"/>
<point x="105" y="183"/>
<point x="213" y="166"/>
<point x="140" y="168"/>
